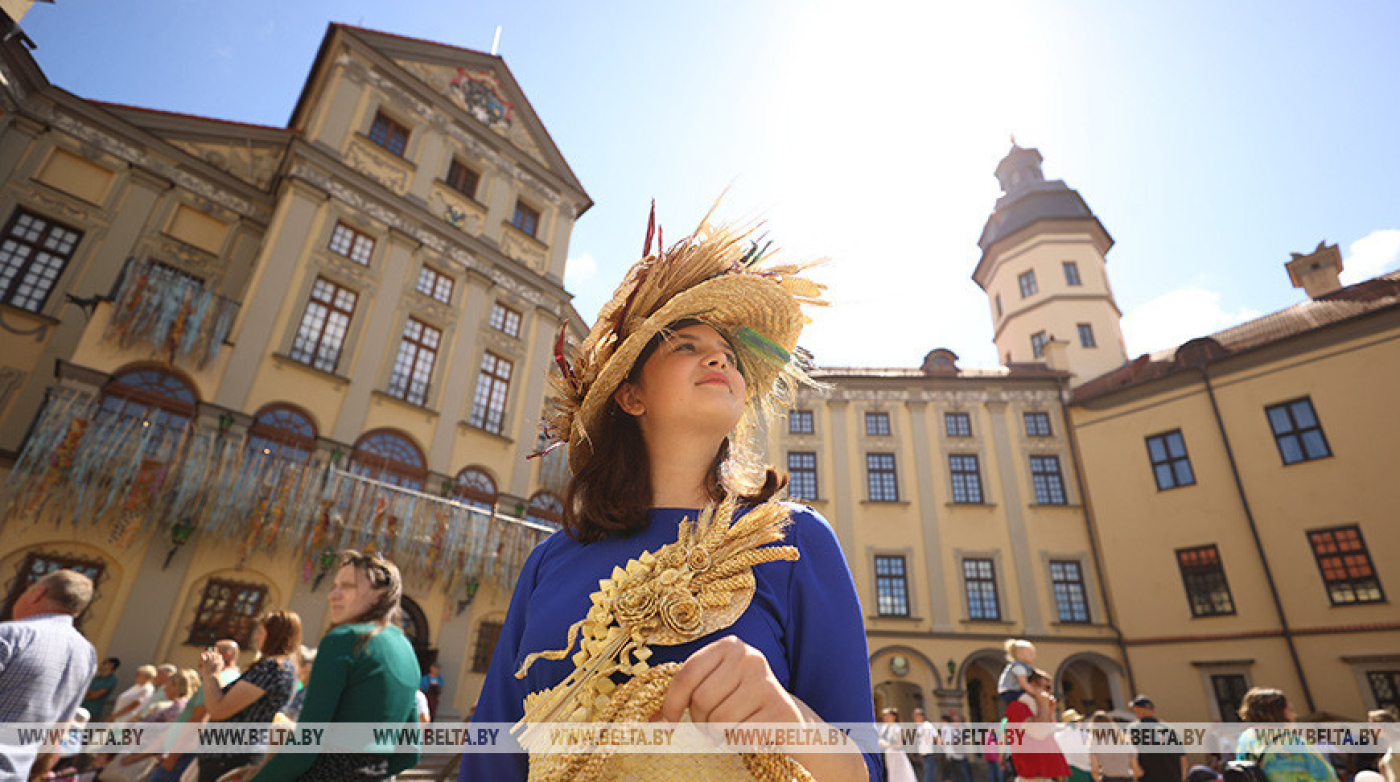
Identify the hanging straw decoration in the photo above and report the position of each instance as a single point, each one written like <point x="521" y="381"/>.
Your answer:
<point x="174" y="314"/>
<point x="139" y="475"/>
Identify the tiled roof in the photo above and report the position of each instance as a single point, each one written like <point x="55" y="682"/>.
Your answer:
<point x="1375" y="294"/>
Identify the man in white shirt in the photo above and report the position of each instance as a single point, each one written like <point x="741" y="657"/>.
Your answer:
<point x="45" y="663"/>
<point x="134" y="695"/>
<point x="926" y="741"/>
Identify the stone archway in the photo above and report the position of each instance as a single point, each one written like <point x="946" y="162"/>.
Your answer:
<point x="903" y="678"/>
<point x="1088" y="682"/>
<point x="978" y="674"/>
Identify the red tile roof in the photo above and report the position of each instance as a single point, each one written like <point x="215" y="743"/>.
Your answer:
<point x="1378" y="293"/>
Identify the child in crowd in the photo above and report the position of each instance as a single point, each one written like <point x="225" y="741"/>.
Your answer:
<point x="1020" y="659"/>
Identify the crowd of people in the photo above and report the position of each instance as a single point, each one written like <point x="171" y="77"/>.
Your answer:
<point x="1114" y="749"/>
<point x="364" y="670"/>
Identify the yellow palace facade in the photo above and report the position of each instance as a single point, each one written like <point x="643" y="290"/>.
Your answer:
<point x="230" y="350"/>
<point x="227" y="350"/>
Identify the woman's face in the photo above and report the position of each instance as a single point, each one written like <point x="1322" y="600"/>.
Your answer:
<point x="691" y="382"/>
<point x="259" y="635"/>
<point x="1288" y="713"/>
<point x="351" y="595"/>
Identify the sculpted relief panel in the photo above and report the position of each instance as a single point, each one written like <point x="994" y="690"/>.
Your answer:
<point x="254" y="165"/>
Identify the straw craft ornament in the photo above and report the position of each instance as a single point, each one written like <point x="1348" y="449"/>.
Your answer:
<point x="695" y="586"/>
<point x="719" y="276"/>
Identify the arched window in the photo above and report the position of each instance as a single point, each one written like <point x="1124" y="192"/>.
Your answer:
<point x="282" y="432"/>
<point x="546" y="509"/>
<point x="475" y="488"/>
<point x="413" y="622"/>
<point x="389" y="456"/>
<point x="163" y="399"/>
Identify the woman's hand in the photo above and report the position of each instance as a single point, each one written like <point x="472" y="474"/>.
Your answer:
<point x="728" y="681"/>
<point x="210" y="662"/>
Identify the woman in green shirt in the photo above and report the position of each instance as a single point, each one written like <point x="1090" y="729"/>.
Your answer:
<point x="365" y="671"/>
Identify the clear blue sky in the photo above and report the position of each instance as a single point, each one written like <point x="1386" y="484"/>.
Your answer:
<point x="1212" y="139"/>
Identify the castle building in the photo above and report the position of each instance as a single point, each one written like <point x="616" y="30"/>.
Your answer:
<point x="228" y="350"/>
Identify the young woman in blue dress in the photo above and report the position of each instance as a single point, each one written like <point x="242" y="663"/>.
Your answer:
<point x="659" y="407"/>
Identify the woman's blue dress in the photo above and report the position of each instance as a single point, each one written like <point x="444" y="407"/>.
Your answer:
<point x="805" y="617"/>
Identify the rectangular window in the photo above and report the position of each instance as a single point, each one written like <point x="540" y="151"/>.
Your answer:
<point x="388" y="134"/>
<point x="1086" y="336"/>
<point x="891" y="587"/>
<point x="492" y="386"/>
<point x="227" y="609"/>
<point x="435" y="284"/>
<point x="967" y="479"/>
<point x="32" y="255"/>
<point x="1346" y="566"/>
<point x="1229" y="690"/>
<point x="413" y="367"/>
<point x="980" y="581"/>
<point x="1045" y="476"/>
<point x="802" y="469"/>
<point x="1385" y="688"/>
<point x="800" y="422"/>
<point x="1037" y="424"/>
<point x="1071" y="273"/>
<point x="1027" y="282"/>
<point x="486" y="637"/>
<point x="321" y="334"/>
<point x="1071" y="598"/>
<point x="880" y="477"/>
<point x="1204" y="577"/>
<point x="1297" y="431"/>
<point x="877" y="424"/>
<point x="505" y="320"/>
<point x="957" y="424"/>
<point x="352" y="244"/>
<point x="1038" y="343"/>
<point x="1170" y="464"/>
<point x="462" y="179"/>
<point x="526" y="218"/>
<point x="997" y="300"/>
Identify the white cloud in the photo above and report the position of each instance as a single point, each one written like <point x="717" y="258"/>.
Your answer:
<point x="1374" y="254"/>
<point x="580" y="269"/>
<point x="1176" y="317"/>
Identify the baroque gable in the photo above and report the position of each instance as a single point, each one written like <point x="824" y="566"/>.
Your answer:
<point x="477" y="89"/>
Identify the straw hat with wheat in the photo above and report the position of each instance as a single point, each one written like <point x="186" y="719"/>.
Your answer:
<point x="719" y="276"/>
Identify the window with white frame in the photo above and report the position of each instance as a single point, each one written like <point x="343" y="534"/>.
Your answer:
<point x="355" y="245"/>
<point x="413" y="366"/>
<point x="492" y="388"/>
<point x="505" y="320"/>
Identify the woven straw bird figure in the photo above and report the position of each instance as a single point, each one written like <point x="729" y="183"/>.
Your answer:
<point x="687" y="589"/>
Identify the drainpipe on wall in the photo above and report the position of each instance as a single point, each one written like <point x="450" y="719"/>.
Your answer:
<point x="1202" y="364"/>
<point x="1094" y="536"/>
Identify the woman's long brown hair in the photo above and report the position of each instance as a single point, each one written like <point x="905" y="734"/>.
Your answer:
<point x="383" y="576"/>
<point x="611" y="494"/>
